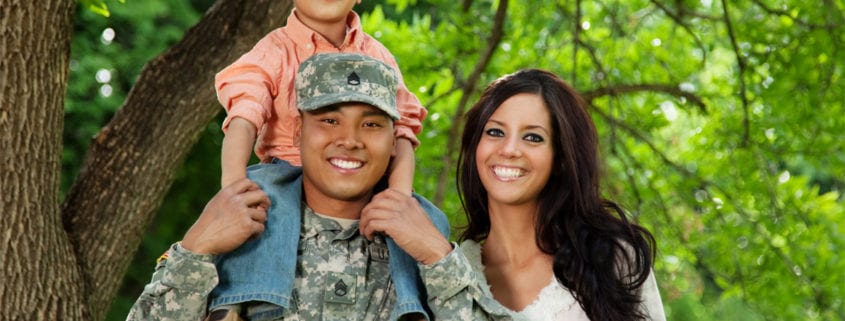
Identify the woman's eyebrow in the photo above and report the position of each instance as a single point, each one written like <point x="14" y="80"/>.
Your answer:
<point x="533" y="127"/>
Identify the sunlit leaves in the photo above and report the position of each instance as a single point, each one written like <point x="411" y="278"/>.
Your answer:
<point x="742" y="222"/>
<point x="98" y="6"/>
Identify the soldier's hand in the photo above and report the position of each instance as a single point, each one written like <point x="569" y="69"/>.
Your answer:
<point x="237" y="213"/>
<point x="402" y="218"/>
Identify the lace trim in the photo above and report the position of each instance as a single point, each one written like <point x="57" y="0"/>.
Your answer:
<point x="551" y="304"/>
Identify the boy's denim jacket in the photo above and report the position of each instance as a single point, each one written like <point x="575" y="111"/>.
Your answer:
<point x="263" y="269"/>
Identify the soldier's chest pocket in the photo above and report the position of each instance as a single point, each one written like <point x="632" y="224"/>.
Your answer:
<point x="341" y="288"/>
<point x="369" y="272"/>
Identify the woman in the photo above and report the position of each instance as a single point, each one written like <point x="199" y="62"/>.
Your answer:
<point x="541" y="242"/>
<point x="528" y="169"/>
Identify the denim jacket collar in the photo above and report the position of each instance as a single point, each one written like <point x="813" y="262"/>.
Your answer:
<point x="264" y="269"/>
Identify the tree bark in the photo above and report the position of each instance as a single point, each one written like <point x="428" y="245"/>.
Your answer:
<point x="131" y="162"/>
<point x="40" y="277"/>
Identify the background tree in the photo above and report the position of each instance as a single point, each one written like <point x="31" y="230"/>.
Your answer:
<point x="34" y="248"/>
<point x="77" y="255"/>
<point x="719" y="123"/>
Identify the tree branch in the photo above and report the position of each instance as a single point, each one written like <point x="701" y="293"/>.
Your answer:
<point x="746" y="136"/>
<point x="617" y="90"/>
<point x="787" y="14"/>
<point x="465" y="5"/>
<point x="469" y="86"/>
<point x="678" y="18"/>
<point x="594" y="58"/>
<point x="576" y="38"/>
<point x="553" y="28"/>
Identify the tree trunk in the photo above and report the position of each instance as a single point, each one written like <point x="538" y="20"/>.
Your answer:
<point x="40" y="278"/>
<point x="131" y="162"/>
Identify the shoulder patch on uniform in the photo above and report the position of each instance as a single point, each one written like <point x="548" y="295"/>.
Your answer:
<point x="163" y="257"/>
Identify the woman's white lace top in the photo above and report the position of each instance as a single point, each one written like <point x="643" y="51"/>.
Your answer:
<point x="555" y="303"/>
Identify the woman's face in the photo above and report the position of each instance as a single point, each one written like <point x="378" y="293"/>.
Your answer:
<point x="515" y="154"/>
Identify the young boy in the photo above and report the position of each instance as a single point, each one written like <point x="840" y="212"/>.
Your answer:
<point x="257" y="90"/>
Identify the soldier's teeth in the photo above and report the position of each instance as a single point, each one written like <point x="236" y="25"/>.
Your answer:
<point x="345" y="164"/>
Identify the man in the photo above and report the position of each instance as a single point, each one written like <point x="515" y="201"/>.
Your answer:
<point x="287" y="245"/>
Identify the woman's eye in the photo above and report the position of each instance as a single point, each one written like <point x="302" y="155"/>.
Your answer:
<point x="534" y="138"/>
<point x="495" y="132"/>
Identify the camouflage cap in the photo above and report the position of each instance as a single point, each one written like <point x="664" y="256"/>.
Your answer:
<point x="328" y="79"/>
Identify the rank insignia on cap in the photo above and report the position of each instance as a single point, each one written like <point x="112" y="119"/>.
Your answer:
<point x="353" y="79"/>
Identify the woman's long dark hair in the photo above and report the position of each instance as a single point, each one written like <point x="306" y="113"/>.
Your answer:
<point x="599" y="255"/>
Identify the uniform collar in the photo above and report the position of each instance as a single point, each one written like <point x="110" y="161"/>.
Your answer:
<point x="313" y="224"/>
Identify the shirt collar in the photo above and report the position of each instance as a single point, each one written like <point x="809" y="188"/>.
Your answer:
<point x="313" y="224"/>
<point x="305" y="37"/>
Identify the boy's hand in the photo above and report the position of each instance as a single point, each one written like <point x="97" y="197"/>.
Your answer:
<point x="402" y="218"/>
<point x="233" y="216"/>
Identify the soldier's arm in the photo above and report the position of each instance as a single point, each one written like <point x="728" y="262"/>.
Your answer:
<point x="449" y="285"/>
<point x="455" y="293"/>
<point x="179" y="288"/>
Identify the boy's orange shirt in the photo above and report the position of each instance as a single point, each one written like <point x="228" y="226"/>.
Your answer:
<point x="259" y="85"/>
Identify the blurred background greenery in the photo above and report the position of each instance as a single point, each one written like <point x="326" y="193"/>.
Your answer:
<point x="720" y="125"/>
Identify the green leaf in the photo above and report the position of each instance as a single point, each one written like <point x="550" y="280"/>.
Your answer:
<point x="97" y="6"/>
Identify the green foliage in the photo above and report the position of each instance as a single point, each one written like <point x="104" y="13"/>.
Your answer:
<point x="98" y="6"/>
<point x="107" y="54"/>
<point x="728" y="152"/>
<point x="742" y="192"/>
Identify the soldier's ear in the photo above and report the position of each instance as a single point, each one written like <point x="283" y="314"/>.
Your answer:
<point x="297" y="131"/>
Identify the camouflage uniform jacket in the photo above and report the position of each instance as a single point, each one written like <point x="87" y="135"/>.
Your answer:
<point x="340" y="275"/>
<point x="456" y="291"/>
